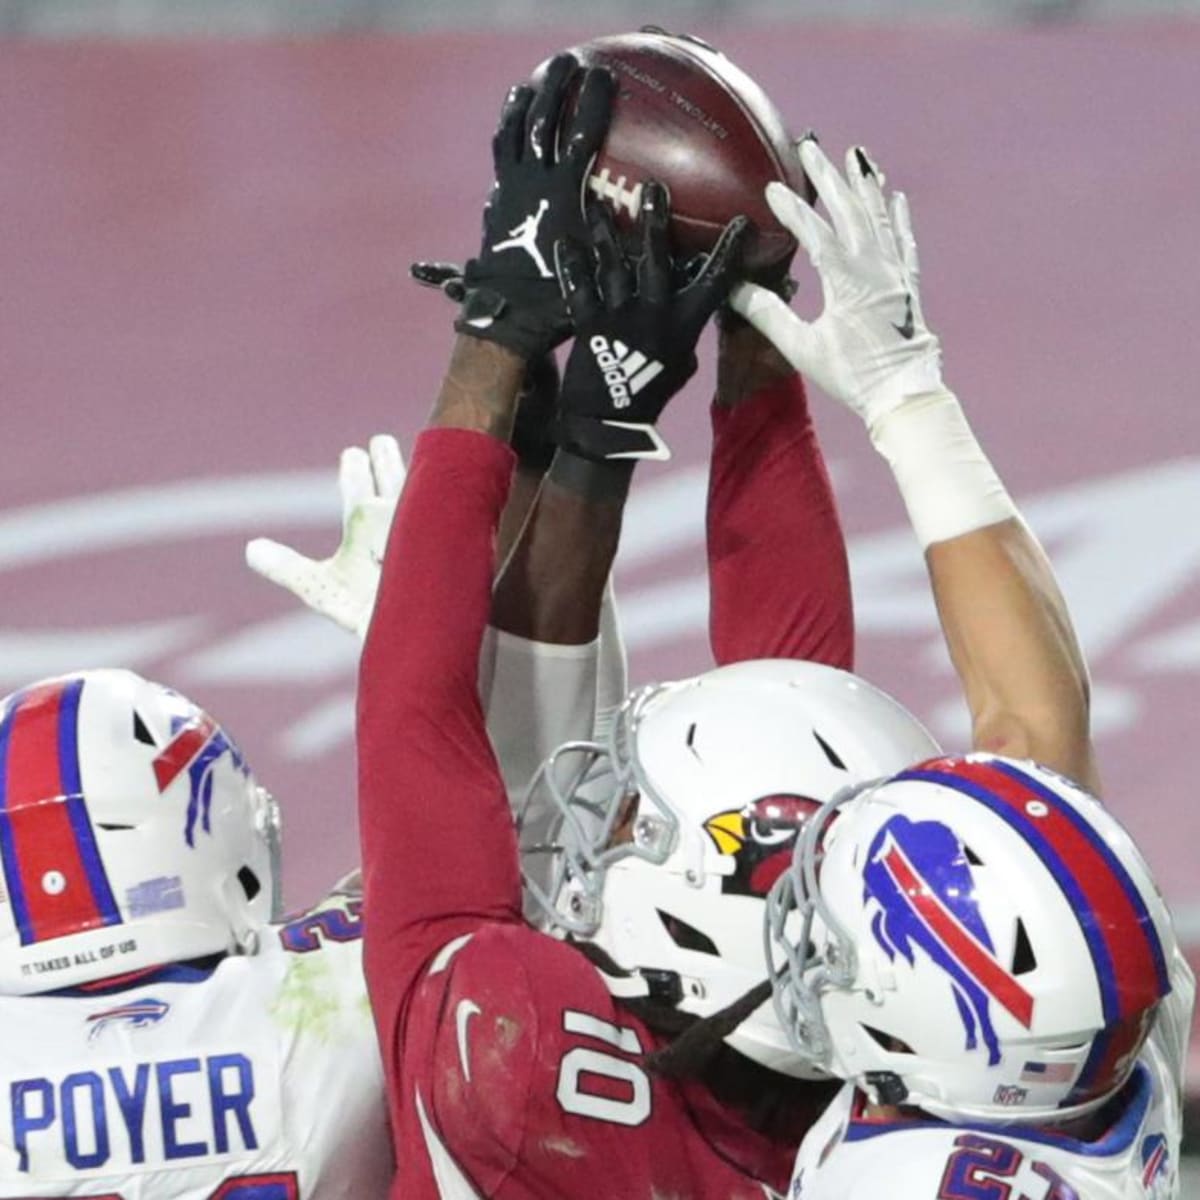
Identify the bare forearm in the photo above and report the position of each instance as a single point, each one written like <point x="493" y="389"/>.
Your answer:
<point x="480" y="389"/>
<point x="552" y="584"/>
<point x="527" y="482"/>
<point x="746" y="363"/>
<point x="1012" y="643"/>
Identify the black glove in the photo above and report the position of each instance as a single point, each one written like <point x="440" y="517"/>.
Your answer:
<point x="532" y="436"/>
<point x="510" y="294"/>
<point x="446" y="277"/>
<point x="635" y="331"/>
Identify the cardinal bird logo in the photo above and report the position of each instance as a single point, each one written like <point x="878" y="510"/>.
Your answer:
<point x="760" y="838"/>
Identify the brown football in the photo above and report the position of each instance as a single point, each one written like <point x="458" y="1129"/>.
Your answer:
<point x="688" y="117"/>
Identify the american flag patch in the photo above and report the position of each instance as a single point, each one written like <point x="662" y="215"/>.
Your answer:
<point x="1036" y="1072"/>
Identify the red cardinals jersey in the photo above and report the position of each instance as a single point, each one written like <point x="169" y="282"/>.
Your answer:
<point x="526" y="1079"/>
<point x="511" y="1070"/>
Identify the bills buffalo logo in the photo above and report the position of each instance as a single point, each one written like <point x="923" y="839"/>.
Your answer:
<point x="918" y="879"/>
<point x="1155" y="1163"/>
<point x="759" y="838"/>
<point x="196" y="744"/>
<point x="137" y="1014"/>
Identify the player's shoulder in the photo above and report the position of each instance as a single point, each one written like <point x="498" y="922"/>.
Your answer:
<point x="510" y="1037"/>
<point x="314" y="954"/>
<point x="850" y="1158"/>
<point x="494" y="1004"/>
<point x="527" y="979"/>
<point x="333" y="925"/>
<point x="519" y="960"/>
<point x="858" y="1160"/>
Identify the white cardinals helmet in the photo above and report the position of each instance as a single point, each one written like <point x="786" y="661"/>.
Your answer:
<point x="978" y="937"/>
<point x="131" y="833"/>
<point x="661" y="845"/>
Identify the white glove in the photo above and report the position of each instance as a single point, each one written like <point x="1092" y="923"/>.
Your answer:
<point x="343" y="587"/>
<point x="870" y="347"/>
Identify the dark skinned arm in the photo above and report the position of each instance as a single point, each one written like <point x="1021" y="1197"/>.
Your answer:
<point x="552" y="586"/>
<point x="480" y="389"/>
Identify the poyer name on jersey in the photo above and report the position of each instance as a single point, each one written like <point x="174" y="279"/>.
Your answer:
<point x="142" y="1116"/>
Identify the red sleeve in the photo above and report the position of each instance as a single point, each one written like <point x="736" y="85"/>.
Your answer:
<point x="438" y="850"/>
<point x="778" y="574"/>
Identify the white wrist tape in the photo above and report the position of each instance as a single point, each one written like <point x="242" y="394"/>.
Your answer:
<point x="946" y="481"/>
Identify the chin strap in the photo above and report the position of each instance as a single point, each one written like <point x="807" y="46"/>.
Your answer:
<point x="642" y="983"/>
<point x="886" y="1087"/>
<point x="665" y="987"/>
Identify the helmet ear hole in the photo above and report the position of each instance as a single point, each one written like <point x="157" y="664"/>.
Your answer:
<point x="892" y="1045"/>
<point x="1024" y="960"/>
<point x="687" y="937"/>
<point x="140" y="731"/>
<point x="250" y="882"/>
<point x="835" y="759"/>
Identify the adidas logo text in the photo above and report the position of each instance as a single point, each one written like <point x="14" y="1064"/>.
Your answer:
<point x="626" y="371"/>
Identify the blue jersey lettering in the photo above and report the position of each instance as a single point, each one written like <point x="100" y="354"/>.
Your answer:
<point x="203" y="1106"/>
<point x="174" y="1110"/>
<point x="33" y="1110"/>
<point x="309" y="931"/>
<point x="236" y="1102"/>
<point x="80" y="1113"/>
<point x="133" y="1106"/>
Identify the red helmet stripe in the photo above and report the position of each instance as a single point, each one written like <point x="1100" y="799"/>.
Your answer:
<point x="958" y="940"/>
<point x="1112" y="912"/>
<point x="182" y="749"/>
<point x="52" y="864"/>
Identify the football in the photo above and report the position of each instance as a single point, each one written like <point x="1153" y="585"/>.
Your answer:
<point x="688" y="117"/>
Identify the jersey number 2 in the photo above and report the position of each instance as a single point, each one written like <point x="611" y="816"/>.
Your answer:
<point x="979" y="1168"/>
<point x="598" y="1084"/>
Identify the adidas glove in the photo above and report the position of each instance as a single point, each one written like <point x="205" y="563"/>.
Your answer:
<point x="509" y="292"/>
<point x="635" y="330"/>
<point x="870" y="348"/>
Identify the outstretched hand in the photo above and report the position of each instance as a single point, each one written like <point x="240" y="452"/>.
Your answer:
<point x="635" y="329"/>
<point x="542" y="152"/>
<point x="870" y="348"/>
<point x="343" y="586"/>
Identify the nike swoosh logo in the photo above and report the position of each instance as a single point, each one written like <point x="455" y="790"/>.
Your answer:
<point x="908" y="329"/>
<point x="462" y="1014"/>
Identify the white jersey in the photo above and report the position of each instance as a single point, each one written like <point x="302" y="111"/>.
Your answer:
<point x="846" y="1157"/>
<point x="256" y="1080"/>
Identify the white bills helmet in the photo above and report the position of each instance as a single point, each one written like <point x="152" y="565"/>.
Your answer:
<point x="660" y="845"/>
<point x="131" y="833"/>
<point x="977" y="937"/>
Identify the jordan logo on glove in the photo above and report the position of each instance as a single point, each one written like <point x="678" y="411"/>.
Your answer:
<point x="524" y="237"/>
<point x="626" y="371"/>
